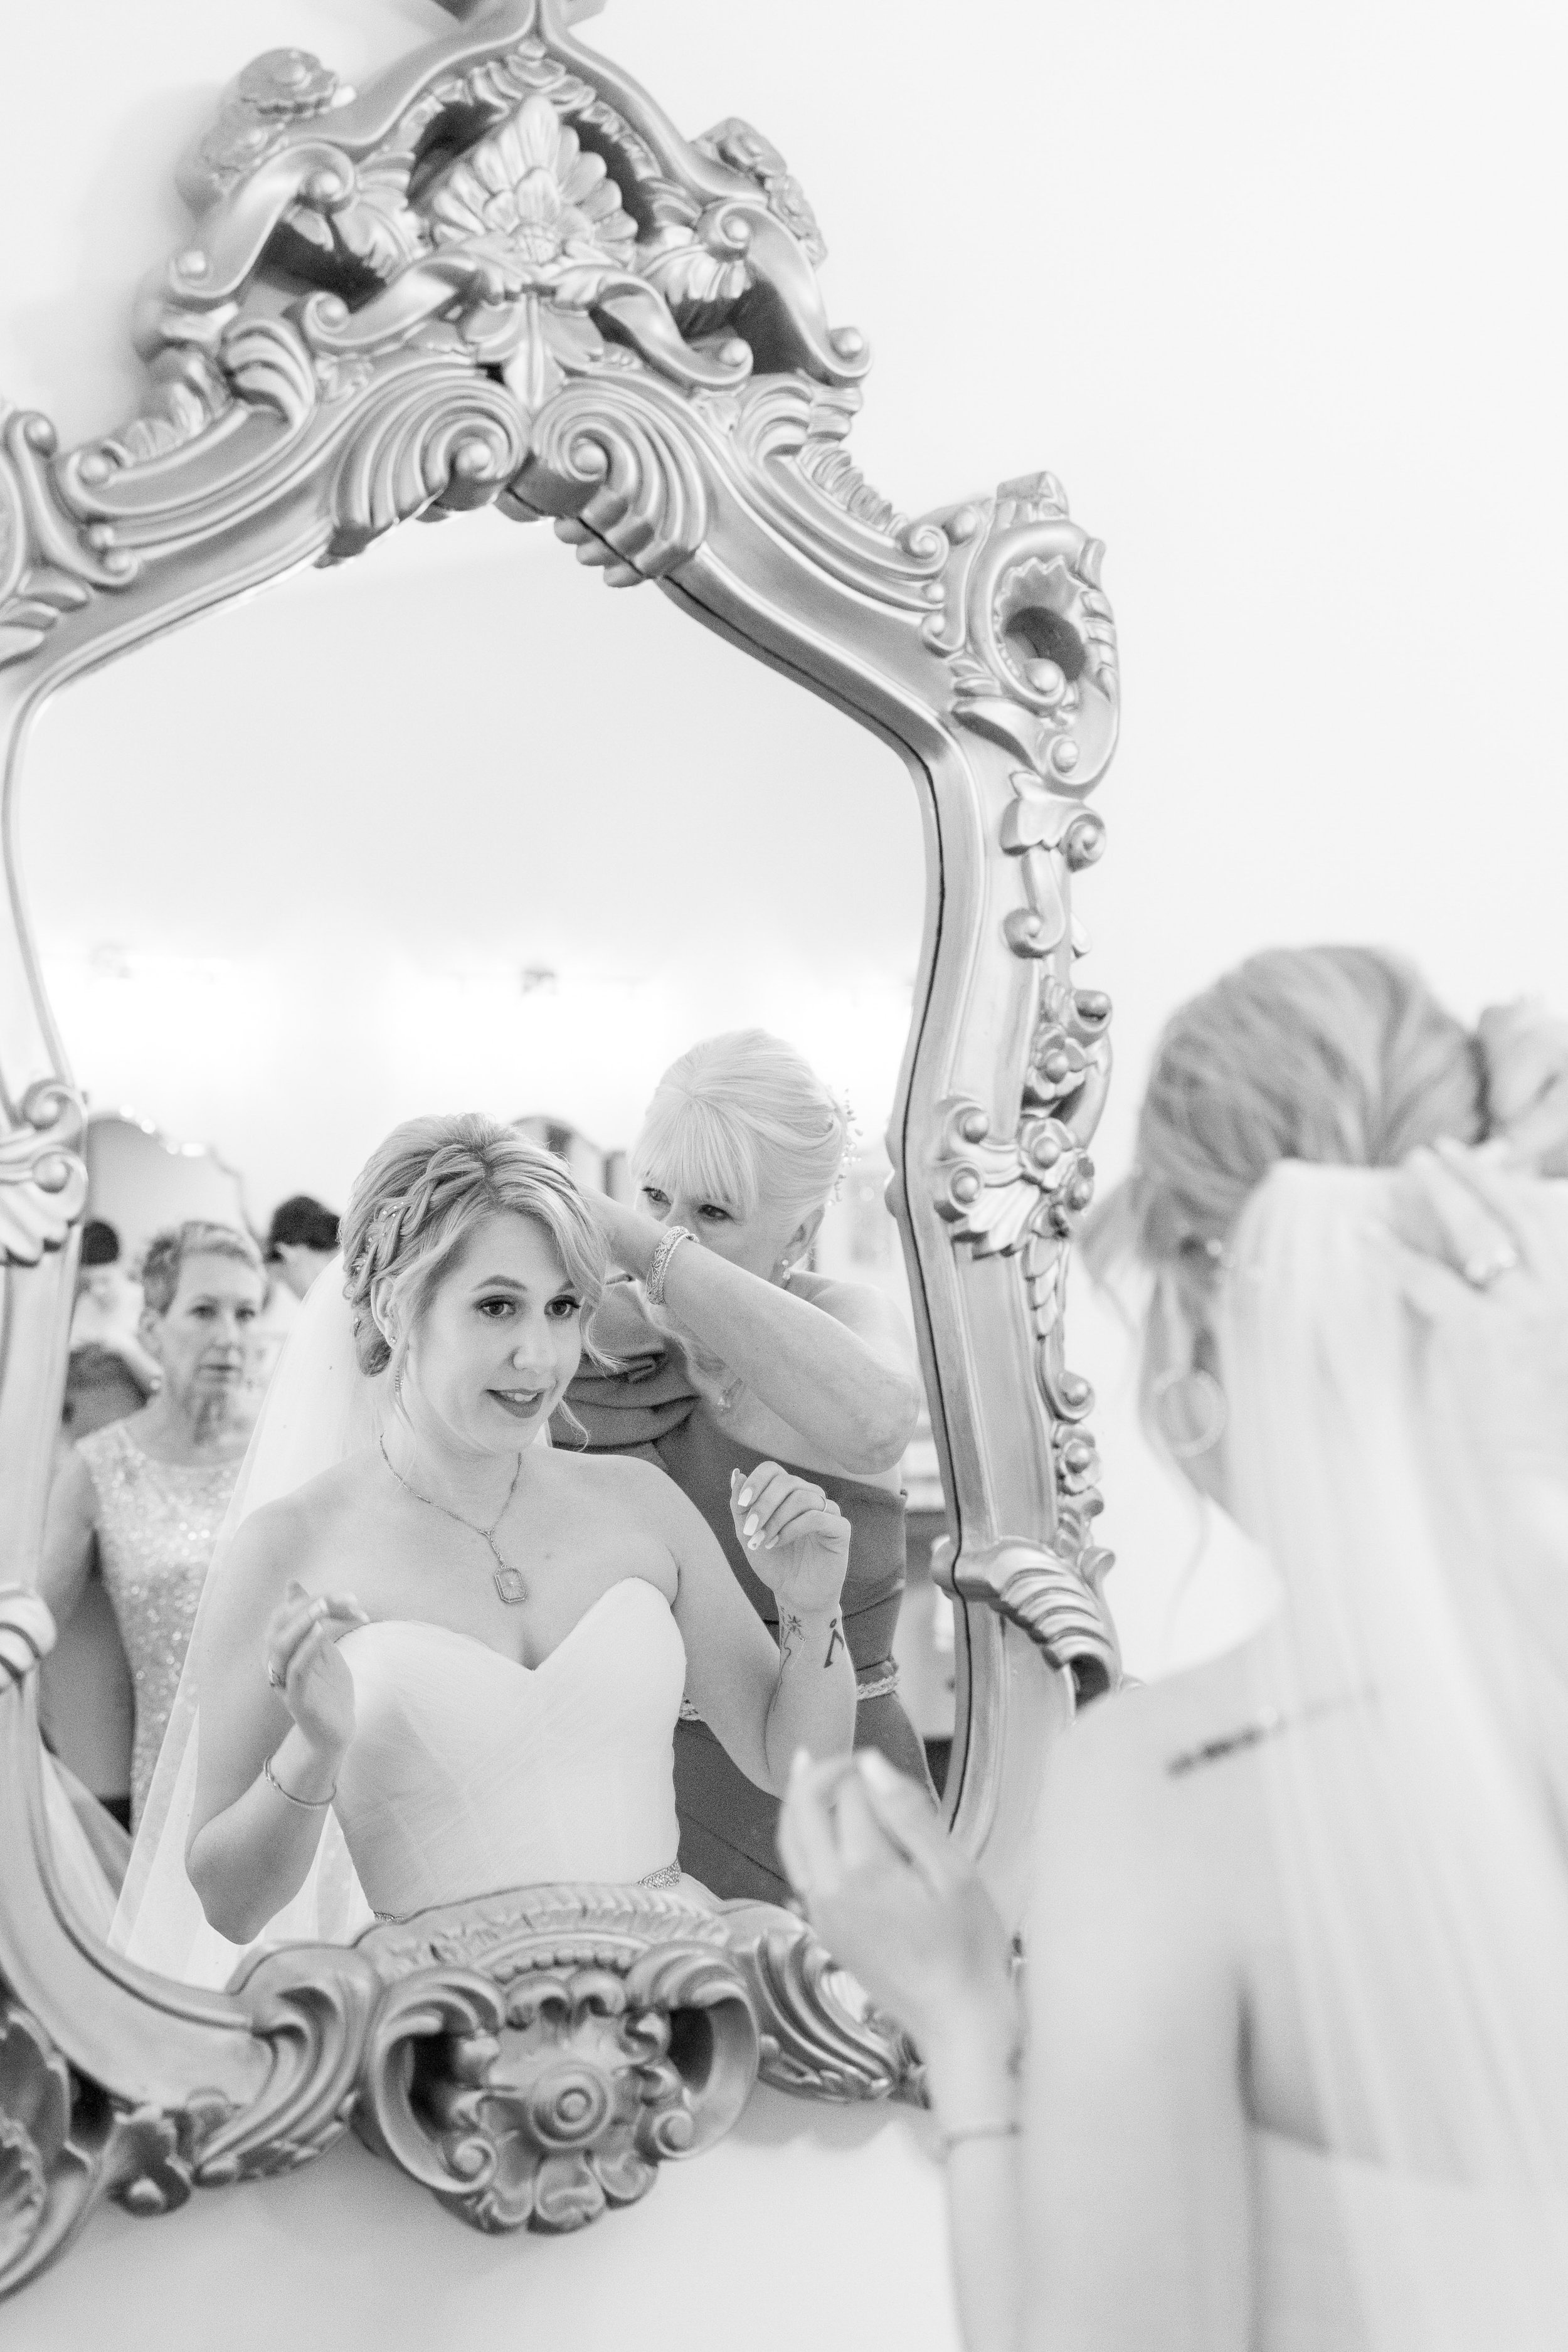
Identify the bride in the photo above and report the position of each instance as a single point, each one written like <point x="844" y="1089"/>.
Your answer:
<point x="1297" y="2067"/>
<point x="452" y="1650"/>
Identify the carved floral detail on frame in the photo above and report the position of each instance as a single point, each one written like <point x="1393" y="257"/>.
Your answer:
<point x="43" y="1177"/>
<point x="502" y="276"/>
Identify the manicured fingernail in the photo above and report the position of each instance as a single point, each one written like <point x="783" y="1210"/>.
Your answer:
<point x="750" y="1526"/>
<point x="877" y="1768"/>
<point x="753" y="1542"/>
<point x="745" y="1496"/>
<point x="798" y="1762"/>
<point x="770" y="1543"/>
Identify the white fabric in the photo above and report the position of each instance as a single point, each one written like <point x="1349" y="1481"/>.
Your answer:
<point x="1419" y="1783"/>
<point x="319" y="1407"/>
<point x="470" y="1773"/>
<point x="1337" y="2240"/>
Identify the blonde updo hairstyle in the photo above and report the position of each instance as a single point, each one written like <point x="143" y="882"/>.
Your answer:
<point x="742" y="1118"/>
<point x="1337" y="1056"/>
<point x="417" y="1199"/>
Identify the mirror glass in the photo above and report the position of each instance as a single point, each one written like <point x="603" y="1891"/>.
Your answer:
<point x="453" y="828"/>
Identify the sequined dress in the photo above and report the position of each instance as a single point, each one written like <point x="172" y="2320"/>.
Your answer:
<point x="157" y="1524"/>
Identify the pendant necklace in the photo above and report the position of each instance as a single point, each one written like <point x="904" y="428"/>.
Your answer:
<point x="507" y="1581"/>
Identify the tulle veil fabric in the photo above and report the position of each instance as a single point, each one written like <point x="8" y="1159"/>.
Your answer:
<point x="1414" y="1694"/>
<point x="319" y="1407"/>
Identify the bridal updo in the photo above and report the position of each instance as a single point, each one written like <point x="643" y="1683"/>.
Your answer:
<point x="1336" y="1056"/>
<point x="740" y="1118"/>
<point x="419" y="1197"/>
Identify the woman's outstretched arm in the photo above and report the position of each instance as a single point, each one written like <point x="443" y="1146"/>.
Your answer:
<point x="847" y="1381"/>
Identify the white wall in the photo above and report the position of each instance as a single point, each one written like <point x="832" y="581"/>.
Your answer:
<point x="1276" y="291"/>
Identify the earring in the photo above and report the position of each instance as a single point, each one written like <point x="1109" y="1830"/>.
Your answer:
<point x="1199" y="1415"/>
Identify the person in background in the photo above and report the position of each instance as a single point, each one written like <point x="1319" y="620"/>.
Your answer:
<point x="108" y="1311"/>
<point x="1288" y="2063"/>
<point x="301" y="1239"/>
<point x="140" y="1502"/>
<point x="731" y="1350"/>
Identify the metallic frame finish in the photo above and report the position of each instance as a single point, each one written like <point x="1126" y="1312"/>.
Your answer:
<point x="501" y="275"/>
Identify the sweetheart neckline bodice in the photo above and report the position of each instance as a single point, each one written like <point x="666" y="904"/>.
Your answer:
<point x="470" y="1772"/>
<point x="426" y="1625"/>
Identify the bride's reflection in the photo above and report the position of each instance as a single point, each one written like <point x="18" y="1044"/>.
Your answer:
<point x="464" y="1648"/>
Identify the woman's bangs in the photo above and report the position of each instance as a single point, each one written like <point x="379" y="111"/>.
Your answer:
<point x="688" y="1149"/>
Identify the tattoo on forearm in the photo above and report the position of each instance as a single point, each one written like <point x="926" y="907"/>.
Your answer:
<point x="792" y="1638"/>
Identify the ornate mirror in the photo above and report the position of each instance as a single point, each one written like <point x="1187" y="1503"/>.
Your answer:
<point x="496" y="287"/>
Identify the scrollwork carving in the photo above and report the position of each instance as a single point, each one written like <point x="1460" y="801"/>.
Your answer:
<point x="500" y="274"/>
<point x="43" y="1177"/>
<point x="537" y="2057"/>
<point x="818" y="2031"/>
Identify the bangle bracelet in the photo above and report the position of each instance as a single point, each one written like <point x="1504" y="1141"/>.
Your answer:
<point x="309" y="1804"/>
<point x="951" y="2139"/>
<point x="669" y="1242"/>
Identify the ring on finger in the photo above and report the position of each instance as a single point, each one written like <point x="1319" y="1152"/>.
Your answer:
<point x="1485" y="1266"/>
<point x="274" y="1677"/>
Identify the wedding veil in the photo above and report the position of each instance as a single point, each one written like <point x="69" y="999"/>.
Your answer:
<point x="1416" y="1745"/>
<point x="319" y="1407"/>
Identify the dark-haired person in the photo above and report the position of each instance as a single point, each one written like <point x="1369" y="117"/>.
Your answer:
<point x="105" y="1324"/>
<point x="301" y="1239"/>
<point x="141" y="1502"/>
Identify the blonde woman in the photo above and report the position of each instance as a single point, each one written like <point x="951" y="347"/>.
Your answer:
<point x="456" y="1651"/>
<point x="730" y="1351"/>
<point x="1294" y="2048"/>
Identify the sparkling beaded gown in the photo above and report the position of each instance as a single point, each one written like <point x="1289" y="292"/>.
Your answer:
<point x="157" y="1525"/>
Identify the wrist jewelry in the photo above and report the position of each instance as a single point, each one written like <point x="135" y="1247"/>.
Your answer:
<point x="951" y="2139"/>
<point x="310" y="1805"/>
<point x="669" y="1242"/>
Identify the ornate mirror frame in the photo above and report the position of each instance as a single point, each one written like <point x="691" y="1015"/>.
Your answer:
<point x="500" y="275"/>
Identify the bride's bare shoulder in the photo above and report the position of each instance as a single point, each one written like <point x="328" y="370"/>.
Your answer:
<point x="290" y="1527"/>
<point x="1137" y="1758"/>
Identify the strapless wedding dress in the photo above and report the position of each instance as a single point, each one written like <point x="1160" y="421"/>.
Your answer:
<point x="468" y="1774"/>
<point x="1355" y="2258"/>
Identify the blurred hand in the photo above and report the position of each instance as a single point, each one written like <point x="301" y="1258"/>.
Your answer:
<point x="900" y="1904"/>
<point x="794" y="1540"/>
<point x="1525" y="1050"/>
<point x="304" y="1668"/>
<point x="1483" y="1258"/>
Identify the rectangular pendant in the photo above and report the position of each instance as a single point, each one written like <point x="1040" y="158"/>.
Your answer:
<point x="509" y="1583"/>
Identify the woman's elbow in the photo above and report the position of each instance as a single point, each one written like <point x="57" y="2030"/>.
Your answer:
<point x="224" y="1907"/>
<point x="882" y="1428"/>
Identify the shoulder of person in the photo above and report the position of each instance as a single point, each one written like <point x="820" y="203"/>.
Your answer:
<point x="1144" y="1773"/>
<point x="280" y="1536"/>
<point x="72" y="1487"/>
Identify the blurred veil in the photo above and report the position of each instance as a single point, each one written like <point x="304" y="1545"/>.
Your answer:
<point x="319" y="1407"/>
<point x="1417" y="1679"/>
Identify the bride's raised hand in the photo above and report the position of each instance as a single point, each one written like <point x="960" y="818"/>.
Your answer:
<point x="1484" y="1260"/>
<point x="794" y="1539"/>
<point x="303" y="1665"/>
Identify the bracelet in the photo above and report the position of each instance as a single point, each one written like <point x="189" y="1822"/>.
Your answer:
<point x="669" y="1242"/>
<point x="951" y="2139"/>
<point x="310" y="1805"/>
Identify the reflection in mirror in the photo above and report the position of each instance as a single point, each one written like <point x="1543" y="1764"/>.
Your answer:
<point x="559" y="1532"/>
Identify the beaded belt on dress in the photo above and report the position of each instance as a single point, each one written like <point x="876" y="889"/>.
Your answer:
<point x="870" y="1682"/>
<point x="668" y="1873"/>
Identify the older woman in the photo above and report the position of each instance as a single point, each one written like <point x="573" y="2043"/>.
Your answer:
<point x="732" y="1351"/>
<point x="1297" y="2070"/>
<point x="141" y="1501"/>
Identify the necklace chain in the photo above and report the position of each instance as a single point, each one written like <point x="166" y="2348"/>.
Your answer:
<point x="508" y="1580"/>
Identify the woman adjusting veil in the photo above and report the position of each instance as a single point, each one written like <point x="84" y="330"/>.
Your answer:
<point x="435" y="1657"/>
